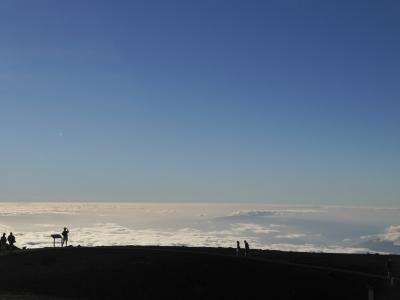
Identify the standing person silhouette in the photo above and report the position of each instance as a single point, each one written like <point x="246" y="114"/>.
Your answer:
<point x="246" y="248"/>
<point x="11" y="240"/>
<point x="238" y="248"/>
<point x="3" y="242"/>
<point x="65" y="237"/>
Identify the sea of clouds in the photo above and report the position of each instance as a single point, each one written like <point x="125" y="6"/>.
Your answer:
<point x="342" y="229"/>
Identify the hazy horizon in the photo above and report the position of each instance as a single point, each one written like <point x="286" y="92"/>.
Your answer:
<point x="308" y="228"/>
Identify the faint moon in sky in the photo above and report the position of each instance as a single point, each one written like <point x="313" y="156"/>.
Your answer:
<point x="60" y="134"/>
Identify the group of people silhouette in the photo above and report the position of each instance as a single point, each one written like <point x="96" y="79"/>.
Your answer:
<point x="8" y="242"/>
<point x="239" y="249"/>
<point x="10" y="239"/>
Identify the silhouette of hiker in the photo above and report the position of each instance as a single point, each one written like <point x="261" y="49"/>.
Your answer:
<point x="3" y="242"/>
<point x="237" y="248"/>
<point x="246" y="248"/>
<point x="65" y="237"/>
<point x="11" y="240"/>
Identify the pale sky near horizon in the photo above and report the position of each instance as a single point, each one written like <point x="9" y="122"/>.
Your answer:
<point x="215" y="101"/>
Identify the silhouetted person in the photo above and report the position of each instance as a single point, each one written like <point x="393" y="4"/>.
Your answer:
<point x="389" y="267"/>
<point x="246" y="248"/>
<point x="3" y="242"/>
<point x="238" y="248"/>
<point x="65" y="237"/>
<point x="11" y="240"/>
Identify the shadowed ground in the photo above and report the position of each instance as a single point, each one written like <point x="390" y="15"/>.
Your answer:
<point x="190" y="273"/>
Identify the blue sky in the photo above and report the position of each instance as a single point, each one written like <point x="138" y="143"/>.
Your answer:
<point x="245" y="101"/>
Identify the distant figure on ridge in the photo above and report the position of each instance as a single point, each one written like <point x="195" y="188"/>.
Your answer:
<point x="238" y="250"/>
<point x="246" y="248"/>
<point x="11" y="240"/>
<point x="65" y="237"/>
<point x="3" y="242"/>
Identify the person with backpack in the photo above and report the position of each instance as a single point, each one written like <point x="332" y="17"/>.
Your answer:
<point x="238" y="250"/>
<point x="64" y="237"/>
<point x="246" y="248"/>
<point x="11" y="240"/>
<point x="3" y="242"/>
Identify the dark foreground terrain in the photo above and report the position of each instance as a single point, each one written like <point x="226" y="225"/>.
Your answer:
<point x="191" y="273"/>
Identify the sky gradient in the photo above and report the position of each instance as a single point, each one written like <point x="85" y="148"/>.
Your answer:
<point x="233" y="101"/>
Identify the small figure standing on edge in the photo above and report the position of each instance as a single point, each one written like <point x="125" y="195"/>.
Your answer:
<point x="3" y="242"/>
<point x="11" y="240"/>
<point x="65" y="237"/>
<point x="246" y="248"/>
<point x="238" y="248"/>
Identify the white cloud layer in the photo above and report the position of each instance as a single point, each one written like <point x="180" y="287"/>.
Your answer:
<point x="290" y="236"/>
<point x="290" y="228"/>
<point x="113" y="234"/>
<point x="274" y="212"/>
<point x="391" y="234"/>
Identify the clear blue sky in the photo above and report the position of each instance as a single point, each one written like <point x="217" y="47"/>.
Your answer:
<point x="269" y="101"/>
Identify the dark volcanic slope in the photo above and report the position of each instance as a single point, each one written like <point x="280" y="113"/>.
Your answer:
<point x="190" y="273"/>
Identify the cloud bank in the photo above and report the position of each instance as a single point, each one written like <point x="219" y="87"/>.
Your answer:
<point x="113" y="234"/>
<point x="289" y="228"/>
